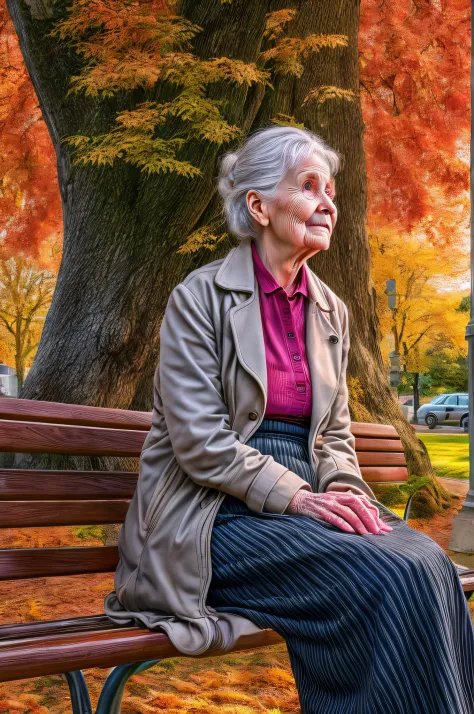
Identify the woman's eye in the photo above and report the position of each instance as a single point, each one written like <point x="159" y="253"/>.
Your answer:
<point x="307" y="185"/>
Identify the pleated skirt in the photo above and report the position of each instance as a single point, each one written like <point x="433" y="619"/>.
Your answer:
<point x="374" y="624"/>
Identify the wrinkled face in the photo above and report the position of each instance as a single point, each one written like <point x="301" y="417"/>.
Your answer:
<point x="303" y="212"/>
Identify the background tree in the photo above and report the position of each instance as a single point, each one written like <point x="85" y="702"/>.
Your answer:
<point x="414" y="75"/>
<point x="30" y="206"/>
<point x="140" y="99"/>
<point x="26" y="292"/>
<point x="426" y="318"/>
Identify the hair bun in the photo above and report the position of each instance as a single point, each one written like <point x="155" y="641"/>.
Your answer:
<point x="227" y="174"/>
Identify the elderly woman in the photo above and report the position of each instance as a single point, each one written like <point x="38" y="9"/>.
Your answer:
<point x="238" y="522"/>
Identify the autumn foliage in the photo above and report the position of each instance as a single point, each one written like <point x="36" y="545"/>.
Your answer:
<point x="414" y="75"/>
<point x="30" y="205"/>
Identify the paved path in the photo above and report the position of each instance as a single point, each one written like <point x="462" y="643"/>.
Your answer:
<point x="443" y="429"/>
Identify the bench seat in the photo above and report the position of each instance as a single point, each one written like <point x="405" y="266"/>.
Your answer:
<point x="49" y="498"/>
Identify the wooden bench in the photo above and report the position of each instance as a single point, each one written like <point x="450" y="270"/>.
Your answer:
<point x="68" y="498"/>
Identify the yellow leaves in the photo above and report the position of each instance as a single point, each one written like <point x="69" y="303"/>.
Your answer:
<point x="184" y="687"/>
<point x="288" y="52"/>
<point x="201" y="238"/>
<point x="321" y="94"/>
<point x="128" y="45"/>
<point x="33" y="612"/>
<point x="134" y="140"/>
<point x="280" y="677"/>
<point x="229" y="695"/>
<point x="426" y="312"/>
<point x="286" y="120"/>
<point x="275" y="22"/>
<point x="234" y="70"/>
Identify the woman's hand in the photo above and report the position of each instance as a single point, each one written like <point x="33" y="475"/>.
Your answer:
<point x="350" y="512"/>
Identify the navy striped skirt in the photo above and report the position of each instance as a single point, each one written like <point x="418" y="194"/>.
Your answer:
<point x="374" y="624"/>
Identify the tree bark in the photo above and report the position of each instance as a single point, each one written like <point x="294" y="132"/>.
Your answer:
<point x="100" y="342"/>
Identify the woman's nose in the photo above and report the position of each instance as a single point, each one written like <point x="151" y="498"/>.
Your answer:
<point x="327" y="207"/>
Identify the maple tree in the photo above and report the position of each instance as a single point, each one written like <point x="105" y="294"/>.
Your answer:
<point x="144" y="100"/>
<point x="30" y="205"/>
<point x="414" y="75"/>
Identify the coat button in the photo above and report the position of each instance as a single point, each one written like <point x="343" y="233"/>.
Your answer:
<point x="253" y="416"/>
<point x="334" y="338"/>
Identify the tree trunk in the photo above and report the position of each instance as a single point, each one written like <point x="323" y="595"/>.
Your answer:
<point x="99" y="344"/>
<point x="121" y="228"/>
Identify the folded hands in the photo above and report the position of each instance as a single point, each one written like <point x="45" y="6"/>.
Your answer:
<point x="351" y="512"/>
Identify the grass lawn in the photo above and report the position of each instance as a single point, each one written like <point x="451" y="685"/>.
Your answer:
<point x="449" y="454"/>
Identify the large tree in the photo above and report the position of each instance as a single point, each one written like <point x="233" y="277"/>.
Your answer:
<point x="158" y="91"/>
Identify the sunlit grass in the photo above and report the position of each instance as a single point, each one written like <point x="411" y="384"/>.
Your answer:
<point x="449" y="454"/>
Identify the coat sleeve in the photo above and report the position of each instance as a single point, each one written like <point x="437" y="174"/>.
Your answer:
<point x="205" y="446"/>
<point x="338" y="468"/>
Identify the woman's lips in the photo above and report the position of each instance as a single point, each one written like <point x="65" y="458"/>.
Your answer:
<point x="318" y="225"/>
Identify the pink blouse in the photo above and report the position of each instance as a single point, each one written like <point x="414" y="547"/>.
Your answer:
<point x="283" y="322"/>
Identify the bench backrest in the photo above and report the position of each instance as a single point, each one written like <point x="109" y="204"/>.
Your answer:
<point x="34" y="497"/>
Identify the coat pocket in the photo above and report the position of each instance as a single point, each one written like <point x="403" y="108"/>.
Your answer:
<point x="163" y="488"/>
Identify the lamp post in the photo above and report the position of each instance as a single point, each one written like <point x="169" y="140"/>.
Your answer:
<point x="462" y="533"/>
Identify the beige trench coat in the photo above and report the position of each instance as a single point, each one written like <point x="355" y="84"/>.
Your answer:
<point x="209" y="398"/>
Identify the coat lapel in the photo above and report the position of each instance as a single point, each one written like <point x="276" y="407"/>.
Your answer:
<point x="324" y="357"/>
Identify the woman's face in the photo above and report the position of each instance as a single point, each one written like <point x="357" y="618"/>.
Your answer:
<point x="303" y="213"/>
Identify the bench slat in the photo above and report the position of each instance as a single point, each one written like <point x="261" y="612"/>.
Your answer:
<point x="36" y="438"/>
<point x="389" y="445"/>
<point x="377" y="431"/>
<point x="380" y="458"/>
<point x="67" y="653"/>
<point x="25" y="514"/>
<point x="375" y="474"/>
<point x="24" y="563"/>
<point x="32" y="484"/>
<point x="87" y="623"/>
<point x="58" y="413"/>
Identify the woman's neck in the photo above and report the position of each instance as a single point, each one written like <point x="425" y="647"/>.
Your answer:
<point x="283" y="264"/>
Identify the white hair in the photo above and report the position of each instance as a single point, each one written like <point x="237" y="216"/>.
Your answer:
<point x="260" y="164"/>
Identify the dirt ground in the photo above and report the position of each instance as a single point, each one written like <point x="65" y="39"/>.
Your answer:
<point x="240" y="683"/>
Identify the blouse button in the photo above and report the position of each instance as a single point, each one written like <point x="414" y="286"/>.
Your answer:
<point x="253" y="416"/>
<point x="296" y="358"/>
<point x="334" y="338"/>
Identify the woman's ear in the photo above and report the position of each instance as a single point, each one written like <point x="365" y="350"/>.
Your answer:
<point x="257" y="208"/>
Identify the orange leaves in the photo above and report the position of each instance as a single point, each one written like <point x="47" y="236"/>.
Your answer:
<point x="414" y="69"/>
<point x="30" y="208"/>
<point x="319" y="95"/>
<point x="280" y="677"/>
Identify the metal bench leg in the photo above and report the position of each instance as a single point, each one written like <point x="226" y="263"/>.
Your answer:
<point x="407" y="508"/>
<point x="110" y="700"/>
<point x="80" y="699"/>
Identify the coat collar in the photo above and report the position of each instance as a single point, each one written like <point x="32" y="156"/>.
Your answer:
<point x="237" y="273"/>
